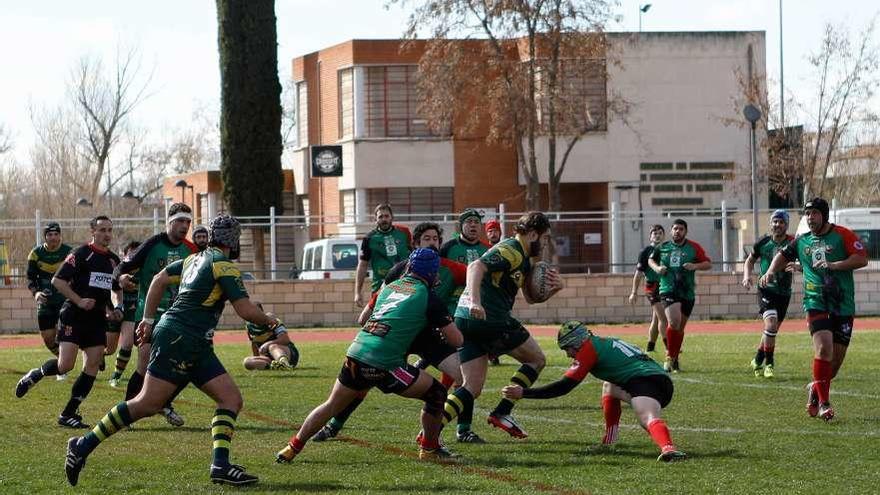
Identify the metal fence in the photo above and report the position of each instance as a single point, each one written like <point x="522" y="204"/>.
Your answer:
<point x="586" y="241"/>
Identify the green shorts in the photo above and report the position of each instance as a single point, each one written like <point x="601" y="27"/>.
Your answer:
<point x="47" y="315"/>
<point x="180" y="358"/>
<point x="482" y="337"/>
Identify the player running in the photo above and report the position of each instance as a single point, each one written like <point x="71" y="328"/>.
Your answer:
<point x="43" y="262"/>
<point x="627" y="374"/>
<point x="652" y="287"/>
<point x="484" y="317"/>
<point x="150" y="258"/>
<point x="124" y="330"/>
<point x="377" y="357"/>
<point x="828" y="254"/>
<point x="271" y="347"/>
<point x="183" y="350"/>
<point x="85" y="280"/>
<point x="774" y="298"/>
<point x="676" y="261"/>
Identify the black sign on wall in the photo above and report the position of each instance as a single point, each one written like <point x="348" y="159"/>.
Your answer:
<point x="326" y="161"/>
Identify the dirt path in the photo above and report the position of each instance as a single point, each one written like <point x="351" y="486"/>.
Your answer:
<point x="346" y="334"/>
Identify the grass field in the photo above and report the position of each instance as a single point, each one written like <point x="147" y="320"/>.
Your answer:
<point x="744" y="435"/>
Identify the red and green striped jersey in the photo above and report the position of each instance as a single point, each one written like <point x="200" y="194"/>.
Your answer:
<point x="611" y="360"/>
<point x="207" y="280"/>
<point x="383" y="250"/>
<point x="403" y="309"/>
<point x="677" y="281"/>
<point x="765" y="249"/>
<point x="507" y="266"/>
<point x="827" y="290"/>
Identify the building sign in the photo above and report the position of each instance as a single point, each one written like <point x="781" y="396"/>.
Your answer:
<point x="592" y="239"/>
<point x="326" y="161"/>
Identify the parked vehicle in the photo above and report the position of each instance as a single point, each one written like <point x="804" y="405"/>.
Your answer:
<point x="329" y="258"/>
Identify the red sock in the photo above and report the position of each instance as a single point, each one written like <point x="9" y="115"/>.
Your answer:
<point x="425" y="443"/>
<point x="446" y="380"/>
<point x="296" y="444"/>
<point x="659" y="433"/>
<point x="822" y="377"/>
<point x="675" y="339"/>
<point x="611" y="410"/>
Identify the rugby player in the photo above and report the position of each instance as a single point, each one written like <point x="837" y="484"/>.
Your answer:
<point x="484" y="317"/>
<point x="627" y="375"/>
<point x="383" y="246"/>
<point x="150" y="258"/>
<point x="377" y="357"/>
<point x="183" y="350"/>
<point x="200" y="237"/>
<point x="652" y="287"/>
<point x="676" y="261"/>
<point x="43" y="262"/>
<point x="124" y="330"/>
<point x="774" y="298"/>
<point x="271" y="347"/>
<point x="493" y="232"/>
<point x="85" y="279"/>
<point x="467" y="247"/>
<point x="828" y="254"/>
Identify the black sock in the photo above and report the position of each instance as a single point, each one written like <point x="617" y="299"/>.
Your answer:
<point x="49" y="368"/>
<point x="78" y="393"/>
<point x="759" y="356"/>
<point x="338" y="421"/>
<point x="525" y="376"/>
<point x="134" y="385"/>
<point x="768" y="357"/>
<point x="177" y="392"/>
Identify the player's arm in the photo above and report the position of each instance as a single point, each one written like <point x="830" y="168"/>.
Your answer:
<point x="748" y="269"/>
<point x="857" y="254"/>
<point x="779" y="263"/>
<point x="361" y="272"/>
<point x="636" y="283"/>
<point x="61" y="282"/>
<point x="123" y="273"/>
<point x="33" y="273"/>
<point x="475" y="273"/>
<point x="281" y="338"/>
<point x="552" y="390"/>
<point x="654" y="263"/>
<point x="701" y="261"/>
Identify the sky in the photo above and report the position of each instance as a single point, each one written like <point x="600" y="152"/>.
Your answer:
<point x="177" y="40"/>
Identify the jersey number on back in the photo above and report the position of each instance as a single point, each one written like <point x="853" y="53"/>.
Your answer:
<point x="392" y="301"/>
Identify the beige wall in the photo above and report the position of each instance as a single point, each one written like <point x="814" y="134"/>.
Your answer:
<point x="594" y="298"/>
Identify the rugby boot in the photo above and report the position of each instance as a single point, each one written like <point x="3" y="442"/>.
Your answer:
<point x="285" y="455"/>
<point x="812" y="401"/>
<point x="325" y="433"/>
<point x="667" y="365"/>
<point x="676" y="368"/>
<point x="27" y="382"/>
<point x="508" y="424"/>
<point x="73" y="461"/>
<point x="768" y="371"/>
<point x="671" y="454"/>
<point x="441" y="453"/>
<point x="758" y="369"/>
<point x="468" y="437"/>
<point x="172" y="417"/>
<point x="232" y="474"/>
<point x="826" y="412"/>
<point x="73" y="421"/>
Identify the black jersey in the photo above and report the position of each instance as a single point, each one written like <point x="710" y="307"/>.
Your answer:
<point x="89" y="270"/>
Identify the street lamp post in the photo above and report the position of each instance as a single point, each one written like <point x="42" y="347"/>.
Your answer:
<point x="642" y="10"/>
<point x="753" y="115"/>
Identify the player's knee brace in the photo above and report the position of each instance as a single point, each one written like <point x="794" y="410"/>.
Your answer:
<point x="435" y="398"/>
<point x="771" y="332"/>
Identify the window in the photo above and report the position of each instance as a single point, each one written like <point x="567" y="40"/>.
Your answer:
<point x="581" y="101"/>
<point x="307" y="259"/>
<point x="391" y="102"/>
<point x="346" y="103"/>
<point x="344" y="256"/>
<point x="347" y="206"/>
<point x="318" y="256"/>
<point x="302" y="115"/>
<point x="413" y="200"/>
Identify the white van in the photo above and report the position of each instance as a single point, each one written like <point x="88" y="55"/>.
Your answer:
<point x="329" y="258"/>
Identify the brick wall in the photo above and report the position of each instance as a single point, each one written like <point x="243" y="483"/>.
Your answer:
<point x="595" y="298"/>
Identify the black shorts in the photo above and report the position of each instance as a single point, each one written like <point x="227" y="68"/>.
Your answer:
<point x="771" y="304"/>
<point x="687" y="305"/>
<point x="841" y="327"/>
<point x="361" y="376"/>
<point x="658" y="387"/>
<point x="47" y="316"/>
<point x="83" y="328"/>
<point x="482" y="337"/>
<point x="431" y="347"/>
<point x="652" y="292"/>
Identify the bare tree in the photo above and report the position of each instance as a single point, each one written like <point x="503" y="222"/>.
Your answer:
<point x="5" y="140"/>
<point x="103" y="105"/>
<point x="531" y="65"/>
<point x="845" y="73"/>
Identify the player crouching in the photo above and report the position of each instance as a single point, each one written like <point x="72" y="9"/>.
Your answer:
<point x="271" y="347"/>
<point x="628" y="375"/>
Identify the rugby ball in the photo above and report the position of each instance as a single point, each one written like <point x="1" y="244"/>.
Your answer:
<point x="536" y="282"/>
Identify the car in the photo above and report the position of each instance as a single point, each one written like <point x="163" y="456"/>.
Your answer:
<point x="335" y="258"/>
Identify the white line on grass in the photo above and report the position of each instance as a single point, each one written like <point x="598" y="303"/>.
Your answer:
<point x="766" y="386"/>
